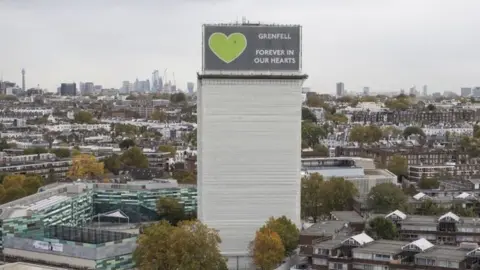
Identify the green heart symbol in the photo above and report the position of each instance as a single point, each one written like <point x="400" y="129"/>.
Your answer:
<point x="227" y="48"/>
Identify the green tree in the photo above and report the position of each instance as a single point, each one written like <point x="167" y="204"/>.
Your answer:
<point x="170" y="209"/>
<point x="286" y="230"/>
<point x="398" y="165"/>
<point x="428" y="183"/>
<point x="430" y="208"/>
<point x="314" y="100"/>
<point x="61" y="152"/>
<point x="83" y="117"/>
<point x="385" y="198"/>
<point x="401" y="102"/>
<point x="337" y="118"/>
<point x="321" y="150"/>
<point x="382" y="228"/>
<point x="311" y="199"/>
<point x="311" y="133"/>
<point x="2" y="193"/>
<point x="391" y="131"/>
<point x="413" y="130"/>
<point x="178" y="97"/>
<point x="308" y="115"/>
<point x="462" y="211"/>
<point x="35" y="151"/>
<point x="166" y="148"/>
<point x="339" y="194"/>
<point x="190" y="245"/>
<point x="113" y="164"/>
<point x="126" y="144"/>
<point x="134" y="157"/>
<point x="267" y="250"/>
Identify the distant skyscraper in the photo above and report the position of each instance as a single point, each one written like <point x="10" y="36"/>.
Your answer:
<point x="190" y="86"/>
<point x="68" y="89"/>
<point x="366" y="91"/>
<point x="413" y="90"/>
<point x="126" y="87"/>
<point x="89" y="89"/>
<point x="156" y="81"/>
<point x="465" y="91"/>
<point x="340" y="89"/>
<point x="425" y="91"/>
<point x="23" y="80"/>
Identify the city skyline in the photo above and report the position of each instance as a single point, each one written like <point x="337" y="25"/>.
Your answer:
<point x="384" y="45"/>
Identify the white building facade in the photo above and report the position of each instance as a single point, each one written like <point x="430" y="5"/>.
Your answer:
<point x="249" y="144"/>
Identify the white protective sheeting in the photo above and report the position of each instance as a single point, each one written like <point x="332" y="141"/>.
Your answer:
<point x="249" y="139"/>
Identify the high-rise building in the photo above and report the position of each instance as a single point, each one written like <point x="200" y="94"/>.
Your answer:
<point x="366" y="91"/>
<point x="413" y="90"/>
<point x="68" y="89"/>
<point x="244" y="175"/>
<point x="340" y="89"/>
<point x="156" y="81"/>
<point x="89" y="89"/>
<point x="190" y="87"/>
<point x="24" y="87"/>
<point x="425" y="90"/>
<point x="126" y="87"/>
<point x="465" y="91"/>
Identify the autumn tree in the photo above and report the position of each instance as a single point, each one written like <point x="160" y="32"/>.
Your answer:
<point x="382" y="228"/>
<point x="286" y="230"/>
<point x="134" y="157"/>
<point x="267" y="250"/>
<point x="385" y="198"/>
<point x="159" y="115"/>
<point x="85" y="166"/>
<point x="189" y="246"/>
<point x="398" y="165"/>
<point x="170" y="209"/>
<point x="13" y="180"/>
<point x="13" y="193"/>
<point x="314" y="100"/>
<point x="32" y="183"/>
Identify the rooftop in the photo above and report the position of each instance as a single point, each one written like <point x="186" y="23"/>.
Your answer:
<point x="348" y="216"/>
<point x="26" y="266"/>
<point x="329" y="227"/>
<point x="443" y="252"/>
<point x="382" y="247"/>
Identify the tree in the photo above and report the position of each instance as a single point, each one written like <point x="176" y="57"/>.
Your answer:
<point x="401" y="102"/>
<point x="286" y="230"/>
<point x="83" y="117"/>
<point x="85" y="165"/>
<point x="430" y="208"/>
<point x="112" y="163"/>
<point x="321" y="150"/>
<point x="159" y="115"/>
<point x="398" y="165"/>
<point x="337" y="118"/>
<point x="311" y="199"/>
<point x="385" y="198"/>
<point x="190" y="245"/>
<point x="35" y="151"/>
<point x="191" y="138"/>
<point x="431" y="107"/>
<point x="428" y="183"/>
<point x="365" y="134"/>
<point x="32" y="183"/>
<point x="170" y="209"/>
<point x="126" y="144"/>
<point x="267" y="250"/>
<point x="314" y="100"/>
<point x="382" y="228"/>
<point x="13" y="180"/>
<point x="166" y="148"/>
<point x="311" y="133"/>
<point x="308" y="115"/>
<point x="61" y="152"/>
<point x="13" y="193"/>
<point x="134" y="157"/>
<point x="391" y="131"/>
<point x="413" y="130"/>
<point x="320" y="197"/>
<point x="178" y="97"/>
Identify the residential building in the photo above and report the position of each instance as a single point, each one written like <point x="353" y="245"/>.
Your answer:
<point x="417" y="172"/>
<point x="340" y="89"/>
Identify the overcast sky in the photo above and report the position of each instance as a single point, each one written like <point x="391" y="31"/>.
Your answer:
<point x="383" y="44"/>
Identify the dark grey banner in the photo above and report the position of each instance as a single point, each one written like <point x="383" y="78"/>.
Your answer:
<point x="251" y="48"/>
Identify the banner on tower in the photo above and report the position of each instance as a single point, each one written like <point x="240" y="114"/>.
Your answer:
<point x="246" y="47"/>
